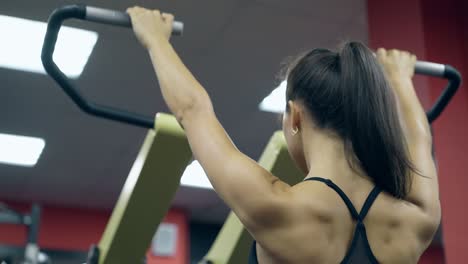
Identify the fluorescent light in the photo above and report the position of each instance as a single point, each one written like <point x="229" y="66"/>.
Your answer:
<point x="195" y="176"/>
<point x="20" y="150"/>
<point x="21" y="45"/>
<point x="276" y="101"/>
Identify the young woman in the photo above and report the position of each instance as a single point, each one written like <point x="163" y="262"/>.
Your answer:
<point x="352" y="119"/>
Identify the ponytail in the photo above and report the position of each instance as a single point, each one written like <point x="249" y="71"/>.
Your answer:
<point x="371" y="120"/>
<point x="348" y="93"/>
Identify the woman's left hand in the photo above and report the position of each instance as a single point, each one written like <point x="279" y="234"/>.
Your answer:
<point x="150" y="25"/>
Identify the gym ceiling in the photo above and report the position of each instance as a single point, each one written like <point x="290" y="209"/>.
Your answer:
<point x="235" y="49"/>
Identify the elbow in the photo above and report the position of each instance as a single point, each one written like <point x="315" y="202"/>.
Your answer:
<point x="424" y="140"/>
<point x="193" y="107"/>
<point x="419" y="135"/>
<point x="183" y="111"/>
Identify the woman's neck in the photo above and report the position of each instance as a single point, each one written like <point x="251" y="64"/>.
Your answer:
<point x="326" y="157"/>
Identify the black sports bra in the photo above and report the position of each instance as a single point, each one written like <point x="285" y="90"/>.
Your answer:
<point x="359" y="251"/>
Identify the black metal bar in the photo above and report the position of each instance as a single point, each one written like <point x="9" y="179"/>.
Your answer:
<point x="441" y="71"/>
<point x="9" y="217"/>
<point x="454" y="79"/>
<point x="94" y="14"/>
<point x="112" y="17"/>
<point x="33" y="228"/>
<point x="93" y="255"/>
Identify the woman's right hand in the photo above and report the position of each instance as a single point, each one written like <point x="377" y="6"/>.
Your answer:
<point x="397" y="64"/>
<point x="150" y="26"/>
<point x="398" y="67"/>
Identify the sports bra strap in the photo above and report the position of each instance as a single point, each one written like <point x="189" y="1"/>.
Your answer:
<point x="343" y="196"/>
<point x="367" y="204"/>
<point x="369" y="201"/>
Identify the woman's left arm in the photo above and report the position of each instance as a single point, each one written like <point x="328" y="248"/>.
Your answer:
<point x="253" y="193"/>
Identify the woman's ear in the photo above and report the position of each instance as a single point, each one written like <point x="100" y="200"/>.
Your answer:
<point x="295" y="114"/>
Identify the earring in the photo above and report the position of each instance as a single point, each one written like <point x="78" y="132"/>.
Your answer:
<point x="294" y="131"/>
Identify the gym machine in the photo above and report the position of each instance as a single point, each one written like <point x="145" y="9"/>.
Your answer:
<point x="165" y="153"/>
<point x="32" y="253"/>
<point x="162" y="159"/>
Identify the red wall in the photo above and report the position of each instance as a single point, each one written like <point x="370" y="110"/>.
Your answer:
<point x="398" y="24"/>
<point x="179" y="218"/>
<point x="446" y="38"/>
<point x="433" y="255"/>
<point x="435" y="31"/>
<point x="61" y="228"/>
<point x="76" y="229"/>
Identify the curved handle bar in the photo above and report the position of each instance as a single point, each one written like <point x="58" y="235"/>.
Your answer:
<point x="118" y="18"/>
<point x="442" y="71"/>
<point x="99" y="15"/>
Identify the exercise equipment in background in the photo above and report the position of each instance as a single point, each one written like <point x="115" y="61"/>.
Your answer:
<point x="442" y="71"/>
<point x="32" y="253"/>
<point x="155" y="176"/>
<point x="156" y="172"/>
<point x="99" y="15"/>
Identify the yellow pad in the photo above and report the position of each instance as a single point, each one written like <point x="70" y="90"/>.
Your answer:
<point x="147" y="193"/>
<point x="233" y="242"/>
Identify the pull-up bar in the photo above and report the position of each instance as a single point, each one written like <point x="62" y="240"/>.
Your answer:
<point x="117" y="18"/>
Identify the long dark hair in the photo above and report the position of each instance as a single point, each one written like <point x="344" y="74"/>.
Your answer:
<point x="346" y="92"/>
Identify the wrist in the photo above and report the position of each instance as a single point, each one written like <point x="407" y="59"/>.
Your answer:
<point x="399" y="79"/>
<point x="156" y="42"/>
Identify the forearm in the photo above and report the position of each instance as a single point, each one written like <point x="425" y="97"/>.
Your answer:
<point x="411" y="113"/>
<point x="419" y="139"/>
<point x="181" y="91"/>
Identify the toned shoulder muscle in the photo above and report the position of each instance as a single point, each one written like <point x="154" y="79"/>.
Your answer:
<point x="423" y="197"/>
<point x="398" y="231"/>
<point x="310" y="207"/>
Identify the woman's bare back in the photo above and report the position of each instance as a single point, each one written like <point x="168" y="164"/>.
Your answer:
<point x="322" y="227"/>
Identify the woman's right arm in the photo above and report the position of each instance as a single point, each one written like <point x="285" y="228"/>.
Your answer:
<point x="399" y="70"/>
